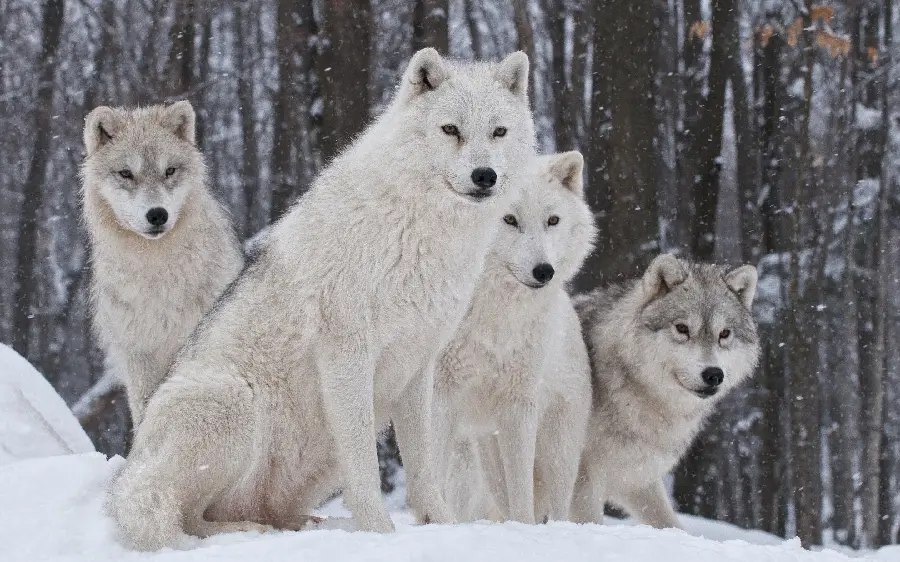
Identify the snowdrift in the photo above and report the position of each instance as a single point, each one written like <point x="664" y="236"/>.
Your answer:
<point x="52" y="509"/>
<point x="34" y="420"/>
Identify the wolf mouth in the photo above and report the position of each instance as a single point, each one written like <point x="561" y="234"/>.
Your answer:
<point x="706" y="392"/>
<point x="475" y="196"/>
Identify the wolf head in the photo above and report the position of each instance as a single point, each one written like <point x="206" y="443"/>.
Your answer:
<point x="696" y="331"/>
<point x="549" y="231"/>
<point x="143" y="163"/>
<point x="473" y="120"/>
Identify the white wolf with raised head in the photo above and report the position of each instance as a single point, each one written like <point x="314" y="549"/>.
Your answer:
<point x="664" y="349"/>
<point x="516" y="378"/>
<point x="162" y="247"/>
<point x="335" y="327"/>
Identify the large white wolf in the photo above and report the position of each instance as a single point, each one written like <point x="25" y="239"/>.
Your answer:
<point x="335" y="328"/>
<point x="664" y="349"/>
<point x="516" y="378"/>
<point x="162" y="247"/>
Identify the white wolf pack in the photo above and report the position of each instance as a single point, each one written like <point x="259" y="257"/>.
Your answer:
<point x="422" y="281"/>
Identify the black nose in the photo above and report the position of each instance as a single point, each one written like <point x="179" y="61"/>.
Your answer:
<point x="484" y="177"/>
<point x="713" y="376"/>
<point x="543" y="272"/>
<point x="157" y="216"/>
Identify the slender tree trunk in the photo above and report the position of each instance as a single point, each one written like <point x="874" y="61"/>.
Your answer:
<point x="525" y="40"/>
<point x="430" y="27"/>
<point x="181" y="49"/>
<point x="805" y="409"/>
<point x="343" y="72"/>
<point x="28" y="252"/>
<point x="622" y="162"/>
<point x="471" y="8"/>
<point x="283" y="188"/>
<point x="250" y="149"/>
<point x="563" y="113"/>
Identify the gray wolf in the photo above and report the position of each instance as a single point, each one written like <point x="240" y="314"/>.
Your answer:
<point x="515" y="381"/>
<point x="162" y="247"/>
<point x="335" y="328"/>
<point x="664" y="350"/>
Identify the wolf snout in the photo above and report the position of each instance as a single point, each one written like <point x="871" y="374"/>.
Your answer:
<point x="713" y="376"/>
<point x="157" y="216"/>
<point x="485" y="178"/>
<point x="543" y="273"/>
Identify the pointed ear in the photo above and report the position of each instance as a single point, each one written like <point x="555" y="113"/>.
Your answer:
<point x="664" y="274"/>
<point x="426" y="71"/>
<point x="512" y="72"/>
<point x="101" y="126"/>
<point x="743" y="282"/>
<point x="567" y="167"/>
<point x="181" y="120"/>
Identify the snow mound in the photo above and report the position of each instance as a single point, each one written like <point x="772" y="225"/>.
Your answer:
<point x="53" y="510"/>
<point x="35" y="422"/>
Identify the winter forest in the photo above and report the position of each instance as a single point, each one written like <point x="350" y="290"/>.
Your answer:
<point x="738" y="131"/>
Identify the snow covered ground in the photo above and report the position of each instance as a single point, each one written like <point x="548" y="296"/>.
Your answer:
<point x="52" y="489"/>
<point x="52" y="510"/>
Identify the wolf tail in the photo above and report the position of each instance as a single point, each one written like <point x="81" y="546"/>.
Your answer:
<point x="148" y="515"/>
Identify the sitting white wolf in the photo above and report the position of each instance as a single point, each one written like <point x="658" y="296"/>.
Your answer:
<point x="516" y="379"/>
<point x="335" y="328"/>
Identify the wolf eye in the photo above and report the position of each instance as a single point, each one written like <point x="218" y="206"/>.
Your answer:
<point x="126" y="174"/>
<point x="553" y="220"/>
<point x="510" y="220"/>
<point x="170" y="172"/>
<point x="450" y="130"/>
<point x="724" y="334"/>
<point x="682" y="329"/>
<point x="499" y="132"/>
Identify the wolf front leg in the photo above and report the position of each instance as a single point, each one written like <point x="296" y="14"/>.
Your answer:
<point x="650" y="504"/>
<point x="412" y="417"/>
<point x="347" y="382"/>
<point x="560" y="441"/>
<point x="516" y="441"/>
<point x="589" y="497"/>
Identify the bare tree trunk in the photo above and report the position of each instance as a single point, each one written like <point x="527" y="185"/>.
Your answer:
<point x="430" y="25"/>
<point x="470" y="7"/>
<point x="525" y="40"/>
<point x="283" y="188"/>
<point x="581" y="42"/>
<point x="28" y="252"/>
<point x="872" y="379"/>
<point x="181" y="49"/>
<point x="563" y="112"/>
<point x="245" y="81"/>
<point x="343" y="72"/>
<point x="805" y="408"/>
<point x="622" y="163"/>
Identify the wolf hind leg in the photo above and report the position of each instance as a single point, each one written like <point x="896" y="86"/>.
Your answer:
<point x="588" y="499"/>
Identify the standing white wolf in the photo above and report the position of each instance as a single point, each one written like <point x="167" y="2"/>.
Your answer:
<point x="162" y="247"/>
<point x="516" y="379"/>
<point x="335" y="328"/>
<point x="664" y="349"/>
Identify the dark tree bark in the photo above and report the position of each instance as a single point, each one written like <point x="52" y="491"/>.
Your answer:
<point x="563" y="112"/>
<point x="346" y="46"/>
<point x="180" y="63"/>
<point x="430" y="25"/>
<point x="27" y="256"/>
<point x="472" y="8"/>
<point x="622" y="162"/>
<point x="525" y="40"/>
<point x="249" y="145"/>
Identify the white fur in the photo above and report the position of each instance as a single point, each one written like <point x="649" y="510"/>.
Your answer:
<point x="150" y="290"/>
<point x="335" y="328"/>
<point x="515" y="382"/>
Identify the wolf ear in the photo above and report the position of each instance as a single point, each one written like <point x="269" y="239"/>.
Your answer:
<point x="664" y="274"/>
<point x="426" y="71"/>
<point x="181" y="120"/>
<point x="567" y="167"/>
<point x="101" y="126"/>
<point x="743" y="282"/>
<point x="512" y="72"/>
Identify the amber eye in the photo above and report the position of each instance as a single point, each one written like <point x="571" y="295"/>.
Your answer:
<point x="450" y="130"/>
<point x="682" y="329"/>
<point x="170" y="172"/>
<point x="500" y="132"/>
<point x="126" y="174"/>
<point x="553" y="220"/>
<point x="724" y="334"/>
<point x="510" y="220"/>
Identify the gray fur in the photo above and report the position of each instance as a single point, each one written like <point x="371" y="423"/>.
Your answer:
<point x="647" y="383"/>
